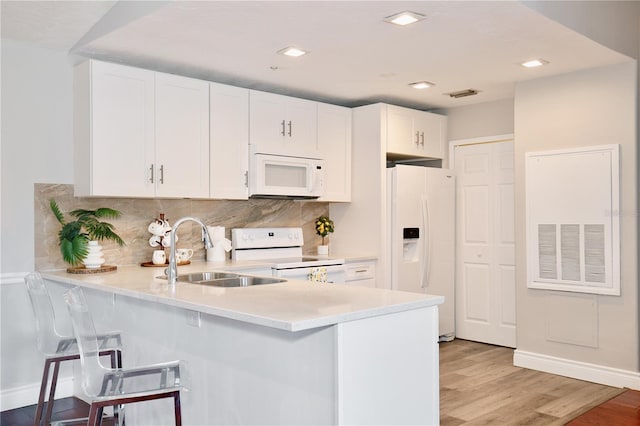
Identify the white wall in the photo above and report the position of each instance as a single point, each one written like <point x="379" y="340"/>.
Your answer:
<point x="592" y="107"/>
<point x="478" y="120"/>
<point x="36" y="147"/>
<point x="37" y="140"/>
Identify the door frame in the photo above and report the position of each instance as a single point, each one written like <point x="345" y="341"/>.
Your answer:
<point x="475" y="141"/>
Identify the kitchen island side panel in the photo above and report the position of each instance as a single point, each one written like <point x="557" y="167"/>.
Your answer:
<point x="388" y="369"/>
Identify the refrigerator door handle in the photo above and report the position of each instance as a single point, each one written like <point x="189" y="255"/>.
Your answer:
<point x="426" y="245"/>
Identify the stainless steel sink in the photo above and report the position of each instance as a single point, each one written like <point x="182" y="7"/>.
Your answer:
<point x="226" y="279"/>
<point x="200" y="277"/>
<point x="242" y="281"/>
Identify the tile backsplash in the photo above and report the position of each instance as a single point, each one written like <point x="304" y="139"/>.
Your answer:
<point x="137" y="213"/>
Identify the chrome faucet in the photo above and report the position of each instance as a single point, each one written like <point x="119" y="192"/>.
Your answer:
<point x="172" y="271"/>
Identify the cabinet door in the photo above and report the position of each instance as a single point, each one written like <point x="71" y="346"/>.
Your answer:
<point x="282" y="125"/>
<point x="401" y="133"/>
<point x="362" y="274"/>
<point x="229" y="141"/>
<point x="334" y="143"/>
<point x="182" y="137"/>
<point x="301" y="135"/>
<point x="267" y="124"/>
<point x="119" y="147"/>
<point x="432" y="131"/>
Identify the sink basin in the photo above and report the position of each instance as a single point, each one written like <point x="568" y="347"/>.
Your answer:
<point x="242" y="281"/>
<point x="226" y="279"/>
<point x="201" y="277"/>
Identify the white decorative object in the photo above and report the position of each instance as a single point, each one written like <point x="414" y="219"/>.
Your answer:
<point x="323" y="250"/>
<point x="159" y="257"/>
<point x="221" y="245"/>
<point x="94" y="258"/>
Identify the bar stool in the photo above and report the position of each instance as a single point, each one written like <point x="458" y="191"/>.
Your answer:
<point x="115" y="386"/>
<point x="56" y="347"/>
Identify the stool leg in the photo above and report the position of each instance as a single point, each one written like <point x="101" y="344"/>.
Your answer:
<point x="43" y="389"/>
<point x="92" y="420"/>
<point x="176" y="408"/>
<point x="52" y="392"/>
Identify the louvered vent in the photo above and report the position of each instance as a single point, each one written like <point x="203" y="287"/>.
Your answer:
<point x="594" y="253"/>
<point x="547" y="251"/>
<point x="571" y="251"/>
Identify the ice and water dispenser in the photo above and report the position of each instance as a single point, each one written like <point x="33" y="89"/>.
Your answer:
<point x="410" y="240"/>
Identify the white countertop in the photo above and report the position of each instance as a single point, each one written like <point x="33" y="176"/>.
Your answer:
<point x="293" y="305"/>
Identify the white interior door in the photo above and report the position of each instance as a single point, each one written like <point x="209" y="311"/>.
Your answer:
<point x="485" y="265"/>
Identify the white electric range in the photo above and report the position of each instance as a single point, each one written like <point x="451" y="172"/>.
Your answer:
<point x="283" y="248"/>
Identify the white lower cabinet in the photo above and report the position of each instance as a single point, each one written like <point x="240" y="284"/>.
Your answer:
<point x="139" y="133"/>
<point x="229" y="142"/>
<point x="362" y="273"/>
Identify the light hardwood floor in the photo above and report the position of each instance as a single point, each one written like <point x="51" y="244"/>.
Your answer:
<point x="480" y="386"/>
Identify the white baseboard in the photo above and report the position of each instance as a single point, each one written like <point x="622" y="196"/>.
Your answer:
<point x="577" y="370"/>
<point x="28" y="395"/>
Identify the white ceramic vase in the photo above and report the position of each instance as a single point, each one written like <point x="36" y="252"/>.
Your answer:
<point x="323" y="250"/>
<point x="94" y="257"/>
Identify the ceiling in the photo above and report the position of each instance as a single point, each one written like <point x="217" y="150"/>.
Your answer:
<point x="354" y="57"/>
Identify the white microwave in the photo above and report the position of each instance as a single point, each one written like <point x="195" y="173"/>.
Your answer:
<point x="278" y="176"/>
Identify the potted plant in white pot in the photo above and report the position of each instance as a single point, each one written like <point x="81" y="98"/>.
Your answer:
<point x="324" y="226"/>
<point x="79" y="239"/>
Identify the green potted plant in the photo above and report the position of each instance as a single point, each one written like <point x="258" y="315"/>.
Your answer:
<point x="78" y="239"/>
<point x="324" y="226"/>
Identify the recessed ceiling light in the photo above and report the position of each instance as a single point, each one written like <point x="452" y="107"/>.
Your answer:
<point x="404" y="18"/>
<point x="534" y="63"/>
<point x="421" y="85"/>
<point x="292" y="51"/>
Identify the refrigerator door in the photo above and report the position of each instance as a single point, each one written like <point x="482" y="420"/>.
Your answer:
<point x="423" y="199"/>
<point x="439" y="261"/>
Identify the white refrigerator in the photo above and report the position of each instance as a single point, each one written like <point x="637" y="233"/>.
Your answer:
<point x="421" y="212"/>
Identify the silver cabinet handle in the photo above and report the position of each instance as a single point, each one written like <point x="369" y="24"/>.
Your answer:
<point x="282" y="127"/>
<point x="290" y="128"/>
<point x="162" y="174"/>
<point x="422" y="138"/>
<point x="417" y="137"/>
<point x="151" y="173"/>
<point x="246" y="179"/>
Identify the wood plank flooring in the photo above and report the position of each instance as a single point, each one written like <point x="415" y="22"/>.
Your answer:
<point x="478" y="386"/>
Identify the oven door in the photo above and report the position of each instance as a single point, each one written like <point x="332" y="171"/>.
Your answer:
<point x="335" y="273"/>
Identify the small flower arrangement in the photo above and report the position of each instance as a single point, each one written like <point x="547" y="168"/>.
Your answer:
<point x="324" y="226"/>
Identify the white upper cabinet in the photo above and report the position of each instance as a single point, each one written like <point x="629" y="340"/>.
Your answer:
<point x="229" y="142"/>
<point x="334" y="143"/>
<point x="182" y="137"/>
<point x="139" y="133"/>
<point x="282" y="125"/>
<point x="414" y="133"/>
<point x="114" y="118"/>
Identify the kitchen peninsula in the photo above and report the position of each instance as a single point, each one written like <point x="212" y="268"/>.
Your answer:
<point x="287" y="353"/>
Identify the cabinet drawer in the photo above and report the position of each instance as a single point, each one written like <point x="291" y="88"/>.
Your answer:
<point x="360" y="271"/>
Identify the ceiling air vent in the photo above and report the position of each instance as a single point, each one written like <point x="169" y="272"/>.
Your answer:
<point x="463" y="93"/>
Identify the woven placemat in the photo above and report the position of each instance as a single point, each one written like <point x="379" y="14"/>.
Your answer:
<point x="84" y="270"/>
